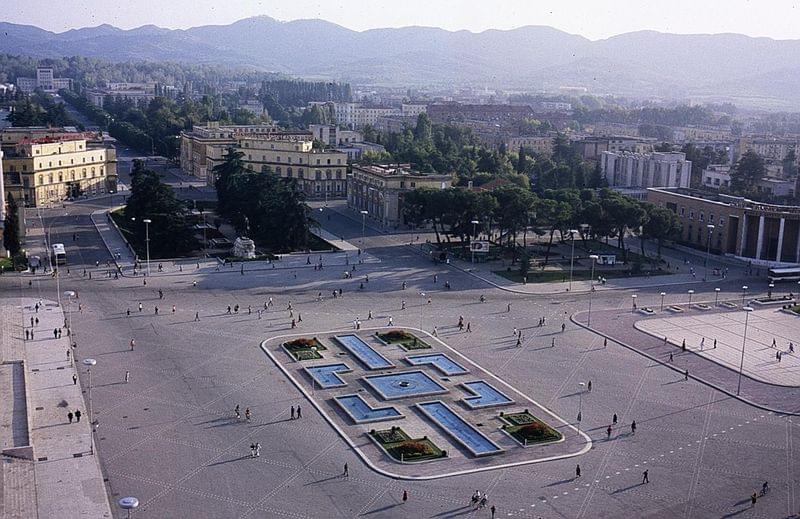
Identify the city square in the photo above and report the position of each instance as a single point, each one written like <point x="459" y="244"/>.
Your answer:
<point x="168" y="434"/>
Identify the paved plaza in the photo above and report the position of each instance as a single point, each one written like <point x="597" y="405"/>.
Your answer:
<point x="168" y="433"/>
<point x="719" y="336"/>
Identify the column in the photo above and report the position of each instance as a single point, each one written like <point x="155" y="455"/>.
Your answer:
<point x="743" y="241"/>
<point x="760" y="242"/>
<point x="780" y="240"/>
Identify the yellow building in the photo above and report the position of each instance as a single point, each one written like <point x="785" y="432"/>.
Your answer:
<point x="48" y="169"/>
<point x="319" y="173"/>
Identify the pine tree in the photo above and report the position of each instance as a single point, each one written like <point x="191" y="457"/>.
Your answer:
<point x="11" y="227"/>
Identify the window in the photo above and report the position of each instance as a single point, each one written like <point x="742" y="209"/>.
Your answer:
<point x="329" y="161"/>
<point x="50" y="178"/>
<point x="711" y="217"/>
<point x="328" y="174"/>
<point x="702" y="216"/>
<point x="691" y="215"/>
<point x="721" y="221"/>
<point x="413" y="185"/>
<point x="278" y="158"/>
<point x="338" y="174"/>
<point x="317" y="161"/>
<point x="402" y="184"/>
<point x="338" y="161"/>
<point x="278" y="170"/>
<point x="264" y="168"/>
<point x="41" y="179"/>
<point x="60" y="177"/>
<point x="318" y="175"/>
<point x="683" y="211"/>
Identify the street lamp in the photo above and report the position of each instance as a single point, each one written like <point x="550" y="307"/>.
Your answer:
<point x="691" y="293"/>
<point x="580" y="404"/>
<point x="747" y="310"/>
<point x="716" y="296"/>
<point x="89" y="363"/>
<point x="128" y="503"/>
<point x="708" y="250"/>
<point x="363" y="226"/>
<point x="474" y="224"/>
<point x="571" y="257"/>
<point x="662" y="300"/>
<point x="594" y="258"/>
<point x="147" y="222"/>
<point x="633" y="303"/>
<point x="744" y="293"/>
<point x="69" y="294"/>
<point x="769" y="292"/>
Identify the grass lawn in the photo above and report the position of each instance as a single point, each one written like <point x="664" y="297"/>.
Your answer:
<point x="795" y="309"/>
<point x="402" y="447"/>
<point x="6" y="263"/>
<point x="406" y="340"/>
<point x="527" y="429"/>
<point x="550" y="276"/>
<point x="301" y="349"/>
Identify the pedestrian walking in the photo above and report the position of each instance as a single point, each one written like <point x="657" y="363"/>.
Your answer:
<point x="77" y="415"/>
<point x="633" y="427"/>
<point x="469" y="327"/>
<point x="252" y="450"/>
<point x="773" y="342"/>
<point x="69" y="416"/>
<point x="553" y="342"/>
<point x="128" y="312"/>
<point x="519" y="342"/>
<point x="508" y="308"/>
<point x="608" y="432"/>
<point x="577" y="472"/>
<point x="753" y="499"/>
<point x="291" y="415"/>
<point x="702" y="343"/>
<point x="670" y="357"/>
<point x="74" y="379"/>
<point x="345" y="473"/>
<point x="715" y="344"/>
<point x="127" y="376"/>
<point x="563" y="327"/>
<point x="173" y="309"/>
<point x="403" y="304"/>
<point x="513" y="334"/>
<point x="645" y="478"/>
<point x="589" y="386"/>
<point x="133" y="344"/>
<point x="55" y="333"/>
<point x="605" y="342"/>
<point x="405" y="496"/>
<point x="391" y="321"/>
<point x="299" y="413"/>
<point x="236" y="411"/>
<point x="686" y="374"/>
<point x="196" y="316"/>
<point x="140" y="307"/>
<point x="614" y="419"/>
<point x="683" y="345"/>
<point x="247" y="414"/>
<point x="369" y="315"/>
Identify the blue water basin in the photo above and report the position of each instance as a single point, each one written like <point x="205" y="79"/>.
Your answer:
<point x="486" y="395"/>
<point x="458" y="428"/>
<point x="440" y="361"/>
<point x="392" y="386"/>
<point x="364" y="352"/>
<point x="362" y="412"/>
<point x="326" y="377"/>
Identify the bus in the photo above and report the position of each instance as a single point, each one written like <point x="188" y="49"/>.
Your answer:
<point x="784" y="274"/>
<point x="59" y="254"/>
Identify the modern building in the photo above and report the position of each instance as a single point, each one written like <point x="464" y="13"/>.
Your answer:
<point x="772" y="149"/>
<point x="47" y="169"/>
<point x="591" y="147"/>
<point x="765" y="234"/>
<point x="44" y="80"/>
<point x="542" y="145"/>
<point x="331" y="135"/>
<point x="319" y="173"/>
<point x="139" y="93"/>
<point x="204" y="145"/>
<point x="658" y="169"/>
<point x="379" y="189"/>
<point x="717" y="176"/>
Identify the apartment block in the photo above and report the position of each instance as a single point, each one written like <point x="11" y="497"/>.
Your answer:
<point x="637" y="170"/>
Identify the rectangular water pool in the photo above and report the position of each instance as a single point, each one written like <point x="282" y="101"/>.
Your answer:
<point x="361" y="412"/>
<point x="326" y="377"/>
<point x="439" y="361"/>
<point x="404" y="384"/>
<point x="458" y="428"/>
<point x="486" y="395"/>
<point x="363" y="352"/>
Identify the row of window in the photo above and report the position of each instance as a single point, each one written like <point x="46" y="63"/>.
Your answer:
<point x="702" y="216"/>
<point x="40" y="165"/>
<point x="40" y="178"/>
<point x="300" y="160"/>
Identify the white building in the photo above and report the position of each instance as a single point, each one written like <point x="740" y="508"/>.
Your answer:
<point x="717" y="176"/>
<point x="658" y="169"/>
<point x="44" y="80"/>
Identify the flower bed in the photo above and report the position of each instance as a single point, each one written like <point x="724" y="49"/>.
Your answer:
<point x="728" y="304"/>
<point x="304" y="348"/>
<point x="702" y="306"/>
<point x="766" y="301"/>
<point x="647" y="311"/>
<point x="406" y="340"/>
<point x="527" y="429"/>
<point x="402" y="447"/>
<point x="675" y="309"/>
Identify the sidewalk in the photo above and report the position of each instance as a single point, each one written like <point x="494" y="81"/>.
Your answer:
<point x="113" y="239"/>
<point x="69" y="480"/>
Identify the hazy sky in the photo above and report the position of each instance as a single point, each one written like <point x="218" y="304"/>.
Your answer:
<point x="594" y="19"/>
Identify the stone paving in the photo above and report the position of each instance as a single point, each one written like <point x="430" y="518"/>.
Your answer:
<point x="169" y="435"/>
<point x="720" y="336"/>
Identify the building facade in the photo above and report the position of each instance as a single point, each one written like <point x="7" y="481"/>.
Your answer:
<point x="49" y="169"/>
<point x="541" y="145"/>
<point x="379" y="189"/>
<point x="44" y="80"/>
<point x="625" y="169"/>
<point x="717" y="176"/>
<point x="765" y="234"/>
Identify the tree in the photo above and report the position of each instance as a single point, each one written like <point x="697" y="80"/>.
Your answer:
<point x="11" y="226"/>
<point x="790" y="164"/>
<point x="522" y="162"/>
<point x="662" y="224"/>
<point x="747" y="172"/>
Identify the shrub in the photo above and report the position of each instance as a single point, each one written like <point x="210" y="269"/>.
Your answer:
<point x="397" y="335"/>
<point x="534" y="430"/>
<point x="413" y="448"/>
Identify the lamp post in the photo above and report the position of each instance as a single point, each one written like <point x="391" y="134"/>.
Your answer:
<point x="592" y="257"/>
<point x="147" y="222"/>
<point x="769" y="292"/>
<point x="580" y="404"/>
<point x="205" y="240"/>
<point x="474" y="224"/>
<point x="716" y="296"/>
<point x="744" y="294"/>
<point x="363" y="227"/>
<point x="710" y="228"/>
<point x="128" y="503"/>
<point x="69" y="294"/>
<point x="89" y="363"/>
<point x="662" y="300"/>
<point x="747" y="310"/>
<point x="691" y="293"/>
<point x="633" y="303"/>
<point x="571" y="257"/>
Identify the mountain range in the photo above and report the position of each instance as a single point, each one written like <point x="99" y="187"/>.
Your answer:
<point x="645" y="63"/>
